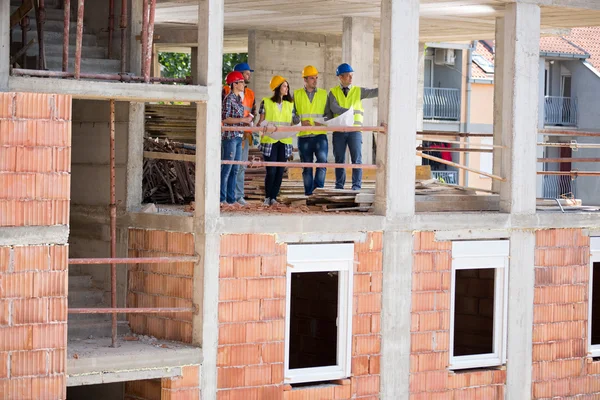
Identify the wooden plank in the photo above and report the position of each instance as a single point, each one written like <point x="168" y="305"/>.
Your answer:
<point x="20" y="12"/>
<point x="169" y="156"/>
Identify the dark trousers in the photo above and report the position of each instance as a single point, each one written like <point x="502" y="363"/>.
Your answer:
<point x="274" y="174"/>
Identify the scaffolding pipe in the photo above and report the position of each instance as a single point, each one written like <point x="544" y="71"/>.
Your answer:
<point x="459" y="134"/>
<point x="24" y="28"/>
<point x="567" y="160"/>
<point x="552" y="132"/>
<point x="430" y="139"/>
<point x="123" y="26"/>
<point x="113" y="223"/>
<point x="573" y="145"/>
<point x="254" y="164"/>
<point x="321" y="128"/>
<point x="66" y="27"/>
<point x="108" y="77"/>
<point x="132" y="260"/>
<point x="144" y="34"/>
<point x="455" y="150"/>
<point x="111" y="26"/>
<point x="571" y="173"/>
<point x="41" y="20"/>
<point x="149" y="41"/>
<point x="79" y="38"/>
<point x="116" y="311"/>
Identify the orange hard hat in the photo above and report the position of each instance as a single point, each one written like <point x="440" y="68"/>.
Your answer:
<point x="234" y="76"/>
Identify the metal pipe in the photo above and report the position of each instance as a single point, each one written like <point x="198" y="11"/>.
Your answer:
<point x="455" y="150"/>
<point x="567" y="160"/>
<point x="454" y="134"/>
<point x="571" y="173"/>
<point x="552" y="132"/>
<point x="41" y="20"/>
<point x="112" y="77"/>
<point x="79" y="38"/>
<point x="573" y="145"/>
<point x="116" y="311"/>
<point x="111" y="26"/>
<point x="67" y="26"/>
<point x="144" y="35"/>
<point x="132" y="260"/>
<point x="271" y="129"/>
<point x="251" y="164"/>
<point x="123" y="26"/>
<point x="149" y="41"/>
<point x="113" y="223"/>
<point x="24" y="28"/>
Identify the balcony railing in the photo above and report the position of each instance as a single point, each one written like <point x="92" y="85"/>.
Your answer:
<point x="441" y="104"/>
<point x="560" y="111"/>
<point x="559" y="186"/>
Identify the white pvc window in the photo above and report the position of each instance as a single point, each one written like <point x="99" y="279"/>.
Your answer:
<point x="594" y="296"/>
<point x="335" y="261"/>
<point x="478" y="293"/>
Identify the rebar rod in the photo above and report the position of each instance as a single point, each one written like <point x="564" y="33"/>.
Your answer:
<point x="571" y="173"/>
<point x="79" y="38"/>
<point x="113" y="223"/>
<point x="111" y="26"/>
<point x="66" y="27"/>
<point x="123" y="26"/>
<point x="40" y="21"/>
<point x="149" y="41"/>
<point x="111" y="77"/>
<point x="144" y="35"/>
<point x="24" y="28"/>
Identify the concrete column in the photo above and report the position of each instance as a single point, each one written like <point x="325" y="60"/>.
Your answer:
<point x="521" y="280"/>
<point x="539" y="181"/>
<point x="498" y="79"/>
<point x="135" y="156"/>
<point x="395" y="189"/>
<point x="252" y="60"/>
<point x="519" y="107"/>
<point x="420" y="94"/>
<point x="4" y="44"/>
<point x="398" y="77"/>
<point x="357" y="50"/>
<point x="206" y="215"/>
<point x="135" y="45"/>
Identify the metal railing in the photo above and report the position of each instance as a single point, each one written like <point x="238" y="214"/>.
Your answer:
<point x="560" y="111"/>
<point x="441" y="104"/>
<point x="559" y="187"/>
<point x="450" y="177"/>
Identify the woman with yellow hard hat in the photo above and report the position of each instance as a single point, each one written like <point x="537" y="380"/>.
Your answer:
<point x="277" y="110"/>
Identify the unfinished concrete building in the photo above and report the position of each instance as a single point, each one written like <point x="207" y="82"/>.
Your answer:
<point x="477" y="296"/>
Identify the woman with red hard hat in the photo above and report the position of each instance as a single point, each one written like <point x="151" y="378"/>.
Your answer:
<point x="232" y="114"/>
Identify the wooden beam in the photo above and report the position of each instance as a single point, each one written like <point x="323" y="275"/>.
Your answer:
<point x="21" y="12"/>
<point x="169" y="156"/>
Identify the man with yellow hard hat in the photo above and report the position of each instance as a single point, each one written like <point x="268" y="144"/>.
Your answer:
<point x="310" y="104"/>
<point x="340" y="99"/>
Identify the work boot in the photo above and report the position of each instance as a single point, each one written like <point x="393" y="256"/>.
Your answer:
<point x="267" y="202"/>
<point x="274" y="202"/>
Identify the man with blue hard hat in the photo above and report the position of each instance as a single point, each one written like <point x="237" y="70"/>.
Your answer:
<point x="339" y="100"/>
<point x="249" y="111"/>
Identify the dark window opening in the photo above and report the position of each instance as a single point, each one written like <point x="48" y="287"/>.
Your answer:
<point x="595" y="333"/>
<point x="313" y="319"/>
<point x="474" y="312"/>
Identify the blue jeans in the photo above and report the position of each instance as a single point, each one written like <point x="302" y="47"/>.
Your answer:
<point x="311" y="147"/>
<point x="354" y="142"/>
<point x="231" y="149"/>
<point x="239" y="186"/>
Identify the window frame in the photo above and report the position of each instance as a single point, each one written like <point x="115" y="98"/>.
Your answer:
<point x="482" y="254"/>
<point x="593" y="349"/>
<point x="327" y="257"/>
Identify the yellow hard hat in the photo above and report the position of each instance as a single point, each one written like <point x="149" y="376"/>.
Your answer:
<point x="309" y="70"/>
<point x="276" y="80"/>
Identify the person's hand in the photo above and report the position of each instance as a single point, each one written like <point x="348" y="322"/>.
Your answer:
<point x="246" y="120"/>
<point x="306" y="123"/>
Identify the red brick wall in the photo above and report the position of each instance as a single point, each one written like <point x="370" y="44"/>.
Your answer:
<point x="430" y="331"/>
<point x="161" y="285"/>
<point x="185" y="387"/>
<point x="560" y="365"/>
<point x="252" y="322"/>
<point x="35" y="159"/>
<point x="35" y="140"/>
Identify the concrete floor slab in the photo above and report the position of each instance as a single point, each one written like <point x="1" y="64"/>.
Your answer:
<point x="92" y="361"/>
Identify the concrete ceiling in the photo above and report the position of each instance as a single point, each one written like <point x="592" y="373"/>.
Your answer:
<point x="441" y="20"/>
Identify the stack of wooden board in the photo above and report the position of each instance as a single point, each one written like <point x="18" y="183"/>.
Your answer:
<point x="175" y="122"/>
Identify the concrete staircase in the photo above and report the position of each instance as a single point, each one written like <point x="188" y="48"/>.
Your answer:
<point x="93" y="56"/>
<point x="82" y="294"/>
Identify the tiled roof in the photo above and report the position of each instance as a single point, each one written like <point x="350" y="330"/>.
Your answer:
<point x="588" y="38"/>
<point x="477" y="72"/>
<point x="558" y="44"/>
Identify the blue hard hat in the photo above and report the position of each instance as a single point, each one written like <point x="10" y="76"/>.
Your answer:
<point x="343" y="68"/>
<point x="242" y="67"/>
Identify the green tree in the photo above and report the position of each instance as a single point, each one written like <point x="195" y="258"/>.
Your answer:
<point x="178" y="65"/>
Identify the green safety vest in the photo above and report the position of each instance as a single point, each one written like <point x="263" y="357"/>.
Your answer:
<point x="277" y="117"/>
<point x="352" y="100"/>
<point x="307" y="110"/>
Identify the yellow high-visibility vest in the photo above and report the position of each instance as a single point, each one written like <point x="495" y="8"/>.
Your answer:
<point x="352" y="100"/>
<point x="308" y="110"/>
<point x="277" y="117"/>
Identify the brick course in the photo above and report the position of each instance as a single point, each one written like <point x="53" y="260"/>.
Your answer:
<point x="161" y="285"/>
<point x="252" y="322"/>
<point x="560" y="364"/>
<point x="184" y="387"/>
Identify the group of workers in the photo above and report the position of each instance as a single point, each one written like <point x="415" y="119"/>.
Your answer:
<point x="309" y="106"/>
